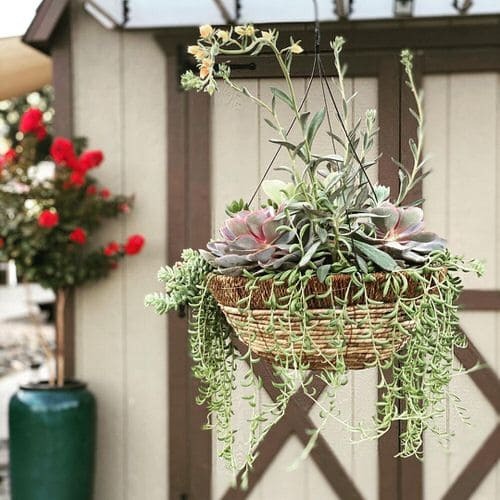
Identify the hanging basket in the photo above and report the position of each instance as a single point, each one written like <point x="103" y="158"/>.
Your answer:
<point x="360" y="333"/>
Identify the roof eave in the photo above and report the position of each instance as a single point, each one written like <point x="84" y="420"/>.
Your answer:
<point x="43" y="25"/>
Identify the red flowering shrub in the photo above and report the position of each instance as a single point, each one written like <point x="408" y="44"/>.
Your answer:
<point x="78" y="236"/>
<point x="47" y="222"/>
<point x="32" y="123"/>
<point x="48" y="219"/>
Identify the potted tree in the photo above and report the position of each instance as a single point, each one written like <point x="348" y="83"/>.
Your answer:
<point x="333" y="272"/>
<point x="49" y="211"/>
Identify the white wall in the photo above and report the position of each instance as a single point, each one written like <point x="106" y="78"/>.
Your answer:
<point x="119" y="104"/>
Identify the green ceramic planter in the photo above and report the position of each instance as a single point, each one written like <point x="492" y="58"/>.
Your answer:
<point x="52" y="441"/>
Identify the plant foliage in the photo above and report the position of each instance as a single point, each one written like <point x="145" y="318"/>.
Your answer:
<point x="330" y="219"/>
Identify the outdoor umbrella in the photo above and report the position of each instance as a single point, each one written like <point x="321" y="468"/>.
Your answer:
<point x="22" y="68"/>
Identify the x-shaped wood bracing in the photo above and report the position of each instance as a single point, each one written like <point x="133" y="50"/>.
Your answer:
<point x="297" y="421"/>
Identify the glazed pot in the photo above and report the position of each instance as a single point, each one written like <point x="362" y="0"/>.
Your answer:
<point x="52" y="442"/>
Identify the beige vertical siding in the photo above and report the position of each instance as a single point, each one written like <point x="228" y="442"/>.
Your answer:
<point x="119" y="103"/>
<point x="240" y="154"/>
<point x="461" y="203"/>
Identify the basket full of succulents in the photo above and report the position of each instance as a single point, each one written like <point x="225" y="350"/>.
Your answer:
<point x="332" y="272"/>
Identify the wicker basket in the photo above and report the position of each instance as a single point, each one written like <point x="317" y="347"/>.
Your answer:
<point x="262" y="329"/>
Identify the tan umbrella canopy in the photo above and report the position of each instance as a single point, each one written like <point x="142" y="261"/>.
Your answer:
<point x="22" y="68"/>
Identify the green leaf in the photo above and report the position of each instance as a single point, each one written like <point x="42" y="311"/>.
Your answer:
<point x="270" y="123"/>
<point x="322" y="234"/>
<point x="283" y="97"/>
<point x="277" y="191"/>
<point x="303" y="119"/>
<point x="314" y="125"/>
<point x="323" y="271"/>
<point x="309" y="254"/>
<point x="378" y="257"/>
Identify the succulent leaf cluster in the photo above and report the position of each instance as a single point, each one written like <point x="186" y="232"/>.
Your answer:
<point x="400" y="232"/>
<point x="252" y="239"/>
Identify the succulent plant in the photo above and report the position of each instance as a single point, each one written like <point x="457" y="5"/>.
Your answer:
<point x="399" y="231"/>
<point x="252" y="239"/>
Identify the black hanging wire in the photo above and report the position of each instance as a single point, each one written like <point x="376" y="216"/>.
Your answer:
<point x="273" y="159"/>
<point x="318" y="65"/>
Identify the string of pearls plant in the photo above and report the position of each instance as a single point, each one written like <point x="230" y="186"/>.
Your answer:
<point x="326" y="276"/>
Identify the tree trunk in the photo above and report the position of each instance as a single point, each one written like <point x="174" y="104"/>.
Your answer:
<point x="60" y="334"/>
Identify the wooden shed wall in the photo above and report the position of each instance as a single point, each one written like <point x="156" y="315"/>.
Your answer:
<point x="119" y="104"/>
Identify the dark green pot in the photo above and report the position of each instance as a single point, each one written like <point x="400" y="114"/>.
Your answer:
<point x="52" y="441"/>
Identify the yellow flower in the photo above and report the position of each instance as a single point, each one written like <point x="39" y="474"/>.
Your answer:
<point x="295" y="48"/>
<point x="206" y="67"/>
<point x="223" y="35"/>
<point x="247" y="30"/>
<point x="197" y="52"/>
<point x="206" y="31"/>
<point x="267" y="36"/>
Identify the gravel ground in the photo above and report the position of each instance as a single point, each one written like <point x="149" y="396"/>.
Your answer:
<point x="20" y="350"/>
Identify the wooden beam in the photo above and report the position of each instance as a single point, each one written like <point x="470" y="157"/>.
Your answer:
<point x="44" y="24"/>
<point x="477" y="469"/>
<point x="480" y="300"/>
<point x="485" y="379"/>
<point x="295" y="421"/>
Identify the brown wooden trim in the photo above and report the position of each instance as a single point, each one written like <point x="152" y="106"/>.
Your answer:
<point x="480" y="300"/>
<point x="44" y="24"/>
<point x="477" y="469"/>
<point x="394" y="34"/>
<point x="60" y="49"/>
<point x="188" y="224"/>
<point x="387" y="34"/>
<point x="485" y="379"/>
<point x="410" y="469"/>
<point x="198" y="233"/>
<point x="461" y="60"/>
<point x="389" y="115"/>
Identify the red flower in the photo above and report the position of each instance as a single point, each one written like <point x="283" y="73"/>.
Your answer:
<point x="105" y="193"/>
<point x="124" y="208"/>
<point x="8" y="157"/>
<point x="32" y="123"/>
<point x="91" y="190"/>
<point x="78" y="236"/>
<point x="90" y="159"/>
<point x="76" y="179"/>
<point x="48" y="219"/>
<point x="2" y="242"/>
<point x="134" y="244"/>
<point x="63" y="152"/>
<point x="111" y="249"/>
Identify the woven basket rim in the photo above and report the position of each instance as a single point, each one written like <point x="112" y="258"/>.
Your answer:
<point x="230" y="290"/>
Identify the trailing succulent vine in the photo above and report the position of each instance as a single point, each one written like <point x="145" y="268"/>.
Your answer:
<point x="332" y="273"/>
